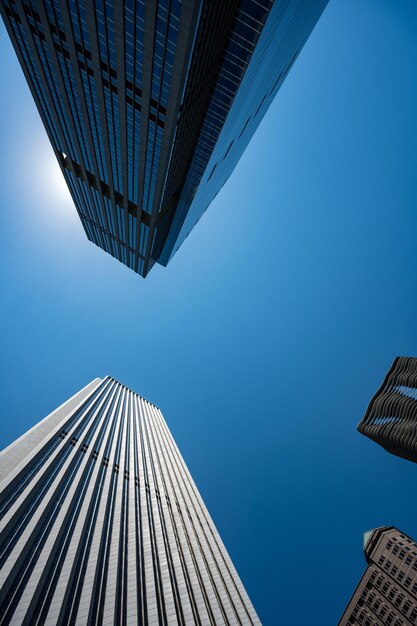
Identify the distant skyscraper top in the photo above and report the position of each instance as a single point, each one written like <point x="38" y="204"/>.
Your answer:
<point x="387" y="592"/>
<point x="149" y="105"/>
<point x="102" y="524"/>
<point x="391" y="417"/>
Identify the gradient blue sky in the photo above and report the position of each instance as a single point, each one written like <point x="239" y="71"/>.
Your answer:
<point x="266" y="336"/>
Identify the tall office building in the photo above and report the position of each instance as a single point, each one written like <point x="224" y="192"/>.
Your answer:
<point x="150" y="104"/>
<point x="387" y="592"/>
<point x="101" y="523"/>
<point x="391" y="417"/>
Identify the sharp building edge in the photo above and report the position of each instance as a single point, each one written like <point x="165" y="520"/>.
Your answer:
<point x="101" y="523"/>
<point x="149" y="105"/>
<point x="391" y="417"/>
<point x="387" y="592"/>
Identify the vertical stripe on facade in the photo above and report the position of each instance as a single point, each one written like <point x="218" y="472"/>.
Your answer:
<point x="102" y="524"/>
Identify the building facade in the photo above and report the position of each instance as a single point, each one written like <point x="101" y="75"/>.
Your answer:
<point x="391" y="417"/>
<point x="387" y="592"/>
<point x="101" y="523"/>
<point x="149" y="105"/>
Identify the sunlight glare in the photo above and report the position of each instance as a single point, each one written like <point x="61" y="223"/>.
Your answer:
<point x="52" y="189"/>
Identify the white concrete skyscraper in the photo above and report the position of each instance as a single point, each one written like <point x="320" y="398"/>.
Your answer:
<point x="101" y="523"/>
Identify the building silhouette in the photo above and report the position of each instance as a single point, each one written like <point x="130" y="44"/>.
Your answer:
<point x="391" y="417"/>
<point x="149" y="105"/>
<point x="101" y="523"/>
<point x="387" y="592"/>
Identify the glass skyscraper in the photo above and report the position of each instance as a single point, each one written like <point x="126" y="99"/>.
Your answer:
<point x="387" y="592"/>
<point x="149" y="105"/>
<point x="101" y="523"/>
<point x="391" y="417"/>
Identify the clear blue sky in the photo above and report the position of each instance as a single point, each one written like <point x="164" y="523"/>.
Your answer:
<point x="266" y="336"/>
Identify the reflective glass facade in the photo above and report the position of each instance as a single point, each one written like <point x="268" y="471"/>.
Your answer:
<point x="263" y="41"/>
<point x="101" y="523"/>
<point x="391" y="418"/>
<point x="149" y="105"/>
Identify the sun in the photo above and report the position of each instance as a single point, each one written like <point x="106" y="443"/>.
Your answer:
<point x="51" y="188"/>
<point x="54" y="178"/>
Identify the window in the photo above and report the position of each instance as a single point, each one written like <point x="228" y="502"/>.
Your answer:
<point x="406" y="606"/>
<point x="261" y="103"/>
<point x="399" y="600"/>
<point x="228" y="149"/>
<point x="244" y="128"/>
<point x="212" y="171"/>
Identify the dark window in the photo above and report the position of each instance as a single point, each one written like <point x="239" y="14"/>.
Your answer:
<point x="212" y="171"/>
<point x="228" y="149"/>
<point x="243" y="129"/>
